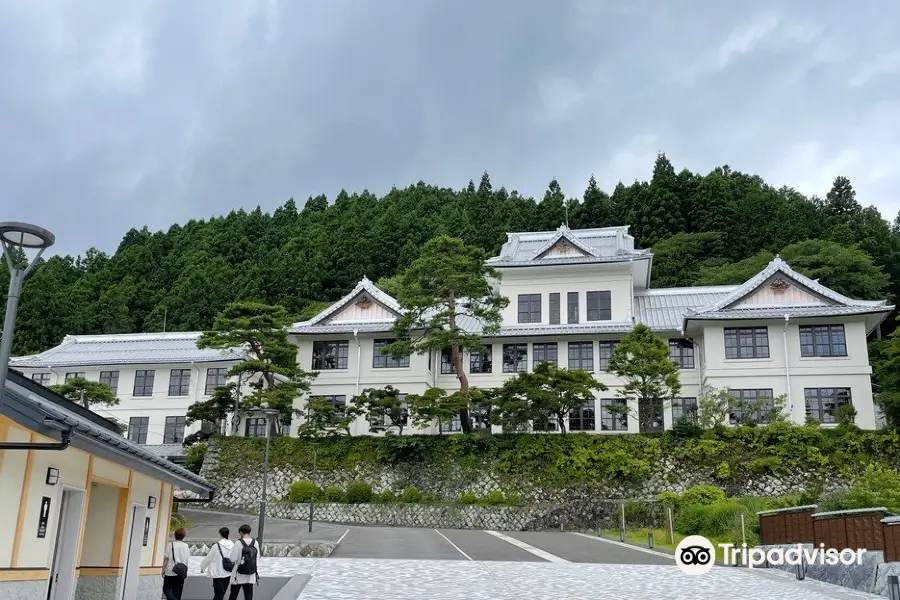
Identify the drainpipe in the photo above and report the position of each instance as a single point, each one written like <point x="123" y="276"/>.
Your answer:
<point x="358" y="358"/>
<point x="66" y="440"/>
<point x="787" y="367"/>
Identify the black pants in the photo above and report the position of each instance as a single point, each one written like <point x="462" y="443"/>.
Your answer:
<point x="173" y="585"/>
<point x="220" y="586"/>
<point x="248" y="591"/>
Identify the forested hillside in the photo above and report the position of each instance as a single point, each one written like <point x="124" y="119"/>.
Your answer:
<point x="705" y="229"/>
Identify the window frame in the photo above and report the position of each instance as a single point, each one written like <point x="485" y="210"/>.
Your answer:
<point x="341" y="354"/>
<point x="581" y="417"/>
<point x="254" y="424"/>
<point x="547" y="348"/>
<point x="554" y="308"/>
<point x="144" y="376"/>
<point x="213" y="374"/>
<point x="387" y="361"/>
<point x="481" y="361"/>
<point x="820" y="398"/>
<point x="581" y="358"/>
<point x="572" y="308"/>
<point x="41" y="379"/>
<point x="136" y="429"/>
<point x="603" y="309"/>
<point x="681" y="351"/>
<point x="178" y="383"/>
<point x="447" y="361"/>
<point x="656" y="407"/>
<point x="112" y="380"/>
<point x="811" y="347"/>
<point x="681" y="407"/>
<point x="526" y="308"/>
<point x="738" y="335"/>
<point x="745" y="395"/>
<point x="176" y="427"/>
<point x="73" y="375"/>
<point x="610" y="421"/>
<point x="519" y="360"/>
<point x="603" y="360"/>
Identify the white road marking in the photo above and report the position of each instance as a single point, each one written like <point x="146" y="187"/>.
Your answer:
<point x="527" y="547"/>
<point x="341" y="539"/>
<point x="458" y="549"/>
<point x="623" y="545"/>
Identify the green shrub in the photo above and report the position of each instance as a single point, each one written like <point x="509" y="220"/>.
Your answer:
<point x="512" y="498"/>
<point x="411" y="495"/>
<point x="879" y="485"/>
<point x="494" y="498"/>
<point x="467" y="498"/>
<point x="638" y="514"/>
<point x="387" y="497"/>
<point x="667" y="498"/>
<point x="702" y="495"/>
<point x="359" y="492"/>
<point x="193" y="457"/>
<point x="334" y="494"/>
<point x="710" y="520"/>
<point x="303" y="491"/>
<point x="179" y="521"/>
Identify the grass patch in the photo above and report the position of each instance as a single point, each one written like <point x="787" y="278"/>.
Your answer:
<point x="638" y="537"/>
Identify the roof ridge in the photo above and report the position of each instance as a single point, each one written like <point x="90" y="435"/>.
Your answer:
<point x="119" y="337"/>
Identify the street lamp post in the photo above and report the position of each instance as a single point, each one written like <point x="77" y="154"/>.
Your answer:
<point x="17" y="236"/>
<point x="268" y="412"/>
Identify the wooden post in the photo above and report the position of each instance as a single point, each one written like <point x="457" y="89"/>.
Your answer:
<point x="671" y="526"/>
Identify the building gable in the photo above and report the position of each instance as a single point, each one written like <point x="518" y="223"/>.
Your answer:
<point x="781" y="290"/>
<point x="364" y="307"/>
<point x="563" y="245"/>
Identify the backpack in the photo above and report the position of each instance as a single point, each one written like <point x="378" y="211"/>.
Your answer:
<point x="227" y="563"/>
<point x="247" y="565"/>
<point x="180" y="569"/>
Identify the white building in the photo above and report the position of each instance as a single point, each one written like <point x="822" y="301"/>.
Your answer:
<point x="156" y="376"/>
<point x="574" y="293"/>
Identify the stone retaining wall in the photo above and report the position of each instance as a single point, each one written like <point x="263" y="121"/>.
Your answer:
<point x="499" y="518"/>
<point x="313" y="549"/>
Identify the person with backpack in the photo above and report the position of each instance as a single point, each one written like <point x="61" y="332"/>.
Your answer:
<point x="244" y="555"/>
<point x="175" y="566"/>
<point x="218" y="565"/>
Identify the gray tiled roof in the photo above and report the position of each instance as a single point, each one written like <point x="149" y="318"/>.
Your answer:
<point x="365" y="285"/>
<point x="606" y="244"/>
<point x="778" y="312"/>
<point x="664" y="309"/>
<point x="128" y="348"/>
<point x="164" y="450"/>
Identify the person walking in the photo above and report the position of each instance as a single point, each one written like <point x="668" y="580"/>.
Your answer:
<point x="175" y="566"/>
<point x="218" y="565"/>
<point x="244" y="555"/>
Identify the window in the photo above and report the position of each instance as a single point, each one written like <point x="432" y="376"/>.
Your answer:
<point x="599" y="306"/>
<point x="606" y="352"/>
<point x="174" y="433"/>
<point x="544" y="353"/>
<point x="256" y="427"/>
<point x="481" y="361"/>
<point x="384" y="420"/>
<point x="143" y="383"/>
<point x="582" y="419"/>
<point x="684" y="408"/>
<point x="386" y="361"/>
<point x="78" y="375"/>
<point x="179" y="382"/>
<point x="446" y="361"/>
<point x="330" y="355"/>
<point x="137" y="429"/>
<point x="746" y="342"/>
<point x="682" y="352"/>
<point x="554" y="308"/>
<point x="215" y="378"/>
<point x="573" y="307"/>
<point x="515" y="358"/>
<point x="111" y="379"/>
<point x="613" y="420"/>
<point x="751" y="406"/>
<point x="480" y="416"/>
<point x="822" y="402"/>
<point x="451" y="426"/>
<point x="544" y="423"/>
<point x="207" y="427"/>
<point x="650" y="415"/>
<point x="338" y="402"/>
<point x="529" y="308"/>
<point x="822" y="340"/>
<point x="41" y="378"/>
<point x="581" y="356"/>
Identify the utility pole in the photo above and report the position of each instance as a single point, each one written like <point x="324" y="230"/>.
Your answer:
<point x="312" y="501"/>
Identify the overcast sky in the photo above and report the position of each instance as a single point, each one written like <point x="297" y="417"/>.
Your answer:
<point x="117" y="114"/>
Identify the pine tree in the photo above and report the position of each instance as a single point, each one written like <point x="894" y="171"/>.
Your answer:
<point x="596" y="210"/>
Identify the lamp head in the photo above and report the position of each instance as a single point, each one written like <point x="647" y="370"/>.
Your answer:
<point x="25" y="235"/>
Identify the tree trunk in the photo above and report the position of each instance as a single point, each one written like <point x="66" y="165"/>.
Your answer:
<point x="561" y="423"/>
<point x="85" y="401"/>
<point x="456" y="361"/>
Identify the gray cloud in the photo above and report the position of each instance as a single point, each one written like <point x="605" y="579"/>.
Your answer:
<point x="124" y="114"/>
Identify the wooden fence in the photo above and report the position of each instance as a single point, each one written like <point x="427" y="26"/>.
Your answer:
<point x="869" y="528"/>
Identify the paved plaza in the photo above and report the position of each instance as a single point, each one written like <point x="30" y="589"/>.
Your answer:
<point x="406" y="564"/>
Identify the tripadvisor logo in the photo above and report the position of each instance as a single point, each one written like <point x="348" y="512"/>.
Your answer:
<point x="696" y="555"/>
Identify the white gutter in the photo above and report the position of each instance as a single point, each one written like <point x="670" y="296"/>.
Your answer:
<point x="787" y="367"/>
<point x="358" y="358"/>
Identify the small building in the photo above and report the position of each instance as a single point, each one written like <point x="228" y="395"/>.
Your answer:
<point x="86" y="510"/>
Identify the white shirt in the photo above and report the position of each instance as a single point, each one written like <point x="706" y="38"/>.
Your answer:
<point x="236" y="552"/>
<point x="182" y="555"/>
<point x="212" y="562"/>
